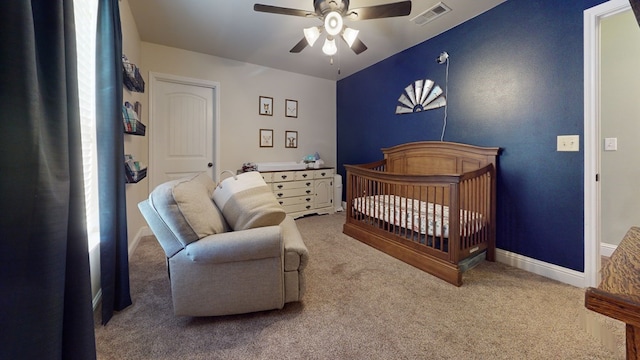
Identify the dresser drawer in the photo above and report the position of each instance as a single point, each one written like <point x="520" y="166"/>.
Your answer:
<point x="267" y="176"/>
<point x="296" y="200"/>
<point x="298" y="207"/>
<point x="304" y="175"/>
<point x="286" y="185"/>
<point x="284" y="176"/>
<point x="292" y="192"/>
<point x="323" y="173"/>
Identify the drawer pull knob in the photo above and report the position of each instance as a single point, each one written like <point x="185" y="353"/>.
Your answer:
<point x="308" y="207"/>
<point x="281" y="202"/>
<point x="304" y="175"/>
<point x="280" y="194"/>
<point x="308" y="199"/>
<point x="322" y="174"/>
<point x="283" y="176"/>
<point x="280" y="186"/>
<point x="308" y="191"/>
<point x="308" y="184"/>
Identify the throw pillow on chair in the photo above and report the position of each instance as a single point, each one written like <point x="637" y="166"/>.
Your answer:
<point x="247" y="202"/>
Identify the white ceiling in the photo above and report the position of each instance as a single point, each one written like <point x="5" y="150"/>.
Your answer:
<point x="231" y="29"/>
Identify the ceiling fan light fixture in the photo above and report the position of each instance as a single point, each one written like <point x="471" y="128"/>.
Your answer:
<point x="311" y="34"/>
<point x="349" y="35"/>
<point x="329" y="47"/>
<point x="332" y="14"/>
<point x="333" y="23"/>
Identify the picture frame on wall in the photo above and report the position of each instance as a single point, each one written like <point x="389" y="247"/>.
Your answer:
<point x="265" y="106"/>
<point x="290" y="139"/>
<point x="291" y="108"/>
<point x="266" y="138"/>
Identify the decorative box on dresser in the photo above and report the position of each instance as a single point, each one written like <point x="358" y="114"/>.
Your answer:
<point x="303" y="192"/>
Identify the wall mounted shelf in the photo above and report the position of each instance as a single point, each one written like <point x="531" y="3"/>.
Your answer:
<point x="137" y="128"/>
<point x="134" y="171"/>
<point x="133" y="177"/>
<point x="131" y="76"/>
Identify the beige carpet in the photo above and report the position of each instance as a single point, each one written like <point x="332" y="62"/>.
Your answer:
<point x="363" y="304"/>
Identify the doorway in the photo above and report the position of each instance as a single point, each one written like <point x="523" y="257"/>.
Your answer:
<point x="592" y="135"/>
<point x="184" y="138"/>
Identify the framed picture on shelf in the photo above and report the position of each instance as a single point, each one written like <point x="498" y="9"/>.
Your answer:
<point x="266" y="106"/>
<point x="290" y="139"/>
<point x="266" y="137"/>
<point x="291" y="108"/>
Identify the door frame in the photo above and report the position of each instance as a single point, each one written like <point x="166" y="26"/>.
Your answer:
<point x="154" y="77"/>
<point x="592" y="120"/>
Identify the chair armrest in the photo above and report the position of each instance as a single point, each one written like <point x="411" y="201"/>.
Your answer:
<point x="167" y="239"/>
<point x="296" y="252"/>
<point x="252" y="244"/>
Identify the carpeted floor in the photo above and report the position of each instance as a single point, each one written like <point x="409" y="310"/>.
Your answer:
<point x="363" y="304"/>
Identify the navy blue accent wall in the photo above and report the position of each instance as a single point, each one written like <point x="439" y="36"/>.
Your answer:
<point x="516" y="82"/>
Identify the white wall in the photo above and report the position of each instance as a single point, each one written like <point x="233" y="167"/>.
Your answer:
<point x="138" y="146"/>
<point x="620" y="118"/>
<point x="241" y="84"/>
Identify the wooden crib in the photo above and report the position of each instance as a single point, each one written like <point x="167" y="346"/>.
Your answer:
<point x="431" y="204"/>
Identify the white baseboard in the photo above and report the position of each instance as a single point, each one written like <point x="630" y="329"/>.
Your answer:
<point x="542" y="268"/>
<point x="550" y="271"/>
<point x="144" y="231"/>
<point x="607" y="249"/>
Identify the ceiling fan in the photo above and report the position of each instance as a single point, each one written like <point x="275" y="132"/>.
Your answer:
<point x="332" y="13"/>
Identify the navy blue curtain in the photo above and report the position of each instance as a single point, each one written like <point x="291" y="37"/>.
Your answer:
<point x="114" y="258"/>
<point x="45" y="286"/>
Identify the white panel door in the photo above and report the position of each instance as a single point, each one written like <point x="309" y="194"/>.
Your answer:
<point x="182" y="131"/>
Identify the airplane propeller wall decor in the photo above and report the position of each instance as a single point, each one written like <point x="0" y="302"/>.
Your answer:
<point x="333" y="13"/>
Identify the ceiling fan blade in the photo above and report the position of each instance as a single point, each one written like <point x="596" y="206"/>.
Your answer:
<point x="283" y="11"/>
<point x="358" y="46"/>
<point x="299" y="46"/>
<point x="402" y="8"/>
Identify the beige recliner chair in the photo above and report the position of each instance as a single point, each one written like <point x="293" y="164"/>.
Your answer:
<point x="214" y="269"/>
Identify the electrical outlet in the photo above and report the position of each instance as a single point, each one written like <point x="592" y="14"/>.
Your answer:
<point x="568" y="142"/>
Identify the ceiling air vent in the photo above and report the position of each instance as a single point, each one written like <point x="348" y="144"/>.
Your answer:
<point x="431" y="14"/>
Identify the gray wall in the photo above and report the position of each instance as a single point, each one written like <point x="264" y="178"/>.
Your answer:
<point x="620" y="118"/>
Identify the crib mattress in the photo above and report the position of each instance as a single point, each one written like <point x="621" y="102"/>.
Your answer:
<point x="420" y="216"/>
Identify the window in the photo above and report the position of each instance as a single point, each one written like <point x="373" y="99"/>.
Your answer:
<point x="85" y="13"/>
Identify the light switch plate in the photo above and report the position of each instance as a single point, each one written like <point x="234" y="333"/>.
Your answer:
<point x="610" y="144"/>
<point x="568" y="142"/>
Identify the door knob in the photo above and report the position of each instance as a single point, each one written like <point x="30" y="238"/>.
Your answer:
<point x="210" y="164"/>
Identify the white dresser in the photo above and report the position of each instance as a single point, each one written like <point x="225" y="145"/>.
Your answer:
<point x="303" y="192"/>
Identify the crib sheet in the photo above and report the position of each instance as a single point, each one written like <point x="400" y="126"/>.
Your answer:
<point x="420" y="216"/>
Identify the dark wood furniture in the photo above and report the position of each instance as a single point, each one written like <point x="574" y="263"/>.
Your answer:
<point x="435" y="174"/>
<point x="618" y="295"/>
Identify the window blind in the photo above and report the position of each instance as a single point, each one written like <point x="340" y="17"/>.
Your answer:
<point x="85" y="13"/>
